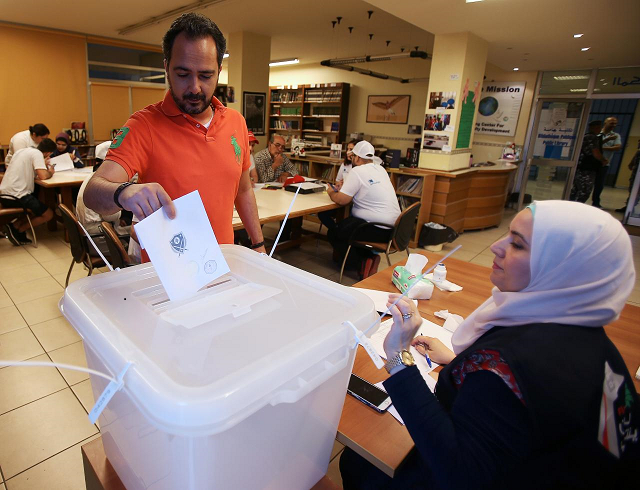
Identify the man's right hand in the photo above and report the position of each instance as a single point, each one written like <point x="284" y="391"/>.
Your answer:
<point x="277" y="161"/>
<point x="143" y="199"/>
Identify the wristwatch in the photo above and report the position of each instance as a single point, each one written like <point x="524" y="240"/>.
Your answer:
<point x="403" y="357"/>
<point x="116" y="194"/>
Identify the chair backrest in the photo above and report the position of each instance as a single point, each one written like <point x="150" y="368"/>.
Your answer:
<point x="404" y="227"/>
<point x="118" y="255"/>
<point x="78" y="242"/>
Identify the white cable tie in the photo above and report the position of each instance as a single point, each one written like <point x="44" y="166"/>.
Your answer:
<point x="284" y="222"/>
<point x="364" y="341"/>
<point x="112" y="388"/>
<point x="57" y="365"/>
<point x="96" y="247"/>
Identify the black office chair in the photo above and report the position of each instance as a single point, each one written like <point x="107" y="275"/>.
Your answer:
<point x="401" y="234"/>
<point x="117" y="254"/>
<point x="80" y="250"/>
<point x="16" y="210"/>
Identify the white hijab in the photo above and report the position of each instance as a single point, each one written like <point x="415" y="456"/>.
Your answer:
<point x="582" y="273"/>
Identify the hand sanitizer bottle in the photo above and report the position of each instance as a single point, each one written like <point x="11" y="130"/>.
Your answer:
<point x="439" y="273"/>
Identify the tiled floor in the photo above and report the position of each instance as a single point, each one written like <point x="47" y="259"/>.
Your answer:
<point x="43" y="411"/>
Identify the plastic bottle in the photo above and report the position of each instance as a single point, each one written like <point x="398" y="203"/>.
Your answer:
<point x="439" y="273"/>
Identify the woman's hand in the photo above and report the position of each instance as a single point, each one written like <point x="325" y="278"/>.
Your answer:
<point x="406" y="321"/>
<point x="438" y="352"/>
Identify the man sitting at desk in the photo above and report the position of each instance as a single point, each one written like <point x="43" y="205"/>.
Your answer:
<point x="18" y="182"/>
<point x="272" y="164"/>
<point x="374" y="201"/>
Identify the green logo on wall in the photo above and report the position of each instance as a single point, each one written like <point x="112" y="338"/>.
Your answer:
<point x="117" y="141"/>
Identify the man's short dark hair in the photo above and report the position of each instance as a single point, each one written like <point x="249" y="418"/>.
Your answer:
<point x="47" y="145"/>
<point x="593" y="124"/>
<point x="195" y="26"/>
<point x="39" y="129"/>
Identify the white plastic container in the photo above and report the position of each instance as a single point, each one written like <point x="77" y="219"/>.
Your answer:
<point x="239" y="387"/>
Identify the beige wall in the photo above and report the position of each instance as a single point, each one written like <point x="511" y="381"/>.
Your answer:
<point x="630" y="148"/>
<point x="43" y="79"/>
<point x="489" y="147"/>
<point x="390" y="135"/>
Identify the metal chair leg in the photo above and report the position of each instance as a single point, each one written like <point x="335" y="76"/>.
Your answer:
<point x="66" y="283"/>
<point x="386" y="252"/>
<point x="33" y="232"/>
<point x="344" y="261"/>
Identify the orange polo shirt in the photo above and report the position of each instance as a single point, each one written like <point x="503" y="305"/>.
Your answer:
<point x="164" y="145"/>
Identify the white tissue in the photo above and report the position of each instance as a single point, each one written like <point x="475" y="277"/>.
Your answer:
<point x="451" y="320"/>
<point x="416" y="263"/>
<point x="444" y="285"/>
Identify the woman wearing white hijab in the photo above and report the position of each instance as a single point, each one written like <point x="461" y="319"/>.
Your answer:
<point x="531" y="398"/>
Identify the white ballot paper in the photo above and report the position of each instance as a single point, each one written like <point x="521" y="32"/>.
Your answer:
<point x="184" y="251"/>
<point x="62" y="162"/>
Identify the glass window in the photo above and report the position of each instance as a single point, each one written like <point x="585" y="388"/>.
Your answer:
<point x="126" y="64"/>
<point x="618" y="81"/>
<point x="565" y="82"/>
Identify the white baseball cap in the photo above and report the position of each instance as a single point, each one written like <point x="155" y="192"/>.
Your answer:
<point x="365" y="150"/>
<point x="101" y="150"/>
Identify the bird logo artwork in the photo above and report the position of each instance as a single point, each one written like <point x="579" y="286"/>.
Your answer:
<point x="178" y="243"/>
<point x="388" y="106"/>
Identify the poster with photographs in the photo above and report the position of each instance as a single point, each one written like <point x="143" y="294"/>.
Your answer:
<point x="436" y="122"/>
<point x="446" y="100"/>
<point x="432" y="141"/>
<point x="388" y="109"/>
<point x="253" y="109"/>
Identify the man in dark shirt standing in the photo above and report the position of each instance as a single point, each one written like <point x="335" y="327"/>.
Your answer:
<point x="589" y="163"/>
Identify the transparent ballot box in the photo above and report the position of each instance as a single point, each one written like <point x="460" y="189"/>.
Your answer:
<point x="239" y="387"/>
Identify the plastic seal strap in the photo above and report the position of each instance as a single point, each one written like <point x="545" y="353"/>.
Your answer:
<point x="96" y="248"/>
<point x="112" y="388"/>
<point x="364" y="341"/>
<point x="284" y="222"/>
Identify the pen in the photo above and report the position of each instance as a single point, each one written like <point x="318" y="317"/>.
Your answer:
<point x="426" y="355"/>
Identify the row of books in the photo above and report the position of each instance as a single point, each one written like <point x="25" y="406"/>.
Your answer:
<point x="323" y="95"/>
<point x="285" y="125"/>
<point x="405" y="202"/>
<point x="326" y="111"/>
<point x="285" y="96"/>
<point x="410" y="186"/>
<point x="286" y="111"/>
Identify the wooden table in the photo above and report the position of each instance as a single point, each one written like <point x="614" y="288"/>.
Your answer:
<point x="100" y="475"/>
<point x="273" y="205"/>
<point x="379" y="438"/>
<point x="62" y="183"/>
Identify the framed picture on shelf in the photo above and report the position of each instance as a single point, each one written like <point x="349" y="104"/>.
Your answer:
<point x="388" y="109"/>
<point x="254" y="108"/>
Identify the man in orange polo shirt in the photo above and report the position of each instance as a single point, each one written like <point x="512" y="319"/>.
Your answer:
<point x="186" y="142"/>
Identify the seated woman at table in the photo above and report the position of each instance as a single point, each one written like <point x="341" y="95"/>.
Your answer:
<point x="536" y="395"/>
<point x="63" y="145"/>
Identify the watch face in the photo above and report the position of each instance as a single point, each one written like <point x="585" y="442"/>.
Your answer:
<point x="407" y="358"/>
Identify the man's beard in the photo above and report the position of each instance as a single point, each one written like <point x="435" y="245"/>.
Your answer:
<point x="183" y="102"/>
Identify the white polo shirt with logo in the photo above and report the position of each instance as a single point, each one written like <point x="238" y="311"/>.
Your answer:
<point x="374" y="198"/>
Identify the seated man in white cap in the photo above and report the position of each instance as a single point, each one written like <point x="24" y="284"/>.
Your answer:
<point x="374" y="199"/>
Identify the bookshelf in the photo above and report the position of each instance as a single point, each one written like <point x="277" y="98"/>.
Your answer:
<point x="316" y="113"/>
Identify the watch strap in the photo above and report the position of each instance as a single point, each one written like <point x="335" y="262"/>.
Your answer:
<point x="116" y="194"/>
<point x="399" y="359"/>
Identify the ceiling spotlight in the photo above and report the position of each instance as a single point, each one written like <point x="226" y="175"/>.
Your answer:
<point x="578" y="35"/>
<point x="516" y="69"/>
<point x="225" y="56"/>
<point x="586" y="49"/>
<point x="473" y="1"/>
<point x="292" y="61"/>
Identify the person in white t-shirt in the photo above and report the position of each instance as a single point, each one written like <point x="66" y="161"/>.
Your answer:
<point x="374" y="201"/>
<point x="29" y="138"/>
<point x="327" y="217"/>
<point x="27" y="164"/>
<point x="90" y="219"/>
